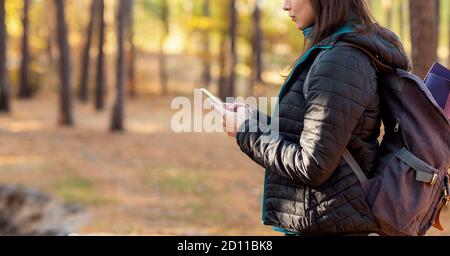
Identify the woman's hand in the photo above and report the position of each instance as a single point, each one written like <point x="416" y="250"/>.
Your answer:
<point x="234" y="117"/>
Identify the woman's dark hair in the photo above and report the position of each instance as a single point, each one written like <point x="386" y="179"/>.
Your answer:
<point x="333" y="14"/>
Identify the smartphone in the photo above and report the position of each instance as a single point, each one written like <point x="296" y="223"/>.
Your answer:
<point x="213" y="98"/>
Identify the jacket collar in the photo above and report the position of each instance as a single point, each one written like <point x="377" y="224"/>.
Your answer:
<point x="307" y="32"/>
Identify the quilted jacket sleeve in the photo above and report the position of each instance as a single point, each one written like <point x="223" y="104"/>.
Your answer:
<point x="338" y="96"/>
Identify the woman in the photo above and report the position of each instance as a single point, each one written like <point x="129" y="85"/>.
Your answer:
<point x="309" y="188"/>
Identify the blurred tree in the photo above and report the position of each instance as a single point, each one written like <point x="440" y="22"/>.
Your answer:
<point x="227" y="80"/>
<point x="66" y="113"/>
<point x="131" y="53"/>
<point x="206" y="73"/>
<point x="24" y="87"/>
<point x="437" y="24"/>
<point x="160" y="9"/>
<point x="424" y="35"/>
<point x="123" y="14"/>
<point x="387" y="6"/>
<point x="100" y="79"/>
<point x="223" y="63"/>
<point x="437" y="20"/>
<point x="257" y="43"/>
<point x="50" y="35"/>
<point x="4" y="82"/>
<point x="164" y="17"/>
<point x="401" y="14"/>
<point x="223" y="57"/>
<point x="83" y="89"/>
<point x="233" y="46"/>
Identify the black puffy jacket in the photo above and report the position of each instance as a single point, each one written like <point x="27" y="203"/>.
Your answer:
<point x="309" y="188"/>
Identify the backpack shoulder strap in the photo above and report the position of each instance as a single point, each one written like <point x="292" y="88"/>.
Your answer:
<point x="356" y="169"/>
<point x="379" y="66"/>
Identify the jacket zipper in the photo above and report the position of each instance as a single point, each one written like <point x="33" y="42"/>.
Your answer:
<point x="266" y="174"/>
<point x="397" y="125"/>
<point x="282" y="91"/>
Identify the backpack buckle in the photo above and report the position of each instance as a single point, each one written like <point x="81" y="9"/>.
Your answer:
<point x="446" y="198"/>
<point x="446" y="191"/>
<point x="434" y="179"/>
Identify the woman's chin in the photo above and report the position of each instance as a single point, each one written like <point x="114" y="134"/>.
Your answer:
<point x="301" y="26"/>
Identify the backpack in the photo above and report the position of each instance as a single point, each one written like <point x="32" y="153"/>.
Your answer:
<point x="411" y="184"/>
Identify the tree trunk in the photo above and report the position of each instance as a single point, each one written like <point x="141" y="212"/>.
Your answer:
<point x="100" y="79"/>
<point x="131" y="54"/>
<point x="401" y="14"/>
<point x="438" y="23"/>
<point x="424" y="35"/>
<point x="5" y="95"/>
<point x="132" y="69"/>
<point x="66" y="114"/>
<point x="257" y="41"/>
<point x="25" y="89"/>
<point x="223" y="77"/>
<point x="388" y="9"/>
<point x="206" y="73"/>
<point x="83" y="91"/>
<point x="233" y="54"/>
<point x="163" y="76"/>
<point x="228" y="88"/>
<point x="123" y="12"/>
<point x="50" y="36"/>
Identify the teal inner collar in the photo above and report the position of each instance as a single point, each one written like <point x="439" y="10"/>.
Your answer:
<point x="307" y="32"/>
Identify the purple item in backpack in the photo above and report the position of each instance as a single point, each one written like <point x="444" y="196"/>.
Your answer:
<point x="438" y="82"/>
